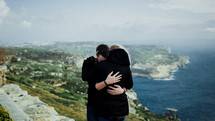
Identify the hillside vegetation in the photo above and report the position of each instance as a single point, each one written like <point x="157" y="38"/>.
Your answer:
<point x="146" y="61"/>
<point x="55" y="77"/>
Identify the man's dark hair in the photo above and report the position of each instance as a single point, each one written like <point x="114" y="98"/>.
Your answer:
<point x="103" y="50"/>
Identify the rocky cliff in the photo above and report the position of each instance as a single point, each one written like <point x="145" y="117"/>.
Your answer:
<point x="159" y="71"/>
<point x="154" y="61"/>
<point x="133" y="101"/>
<point x="33" y="108"/>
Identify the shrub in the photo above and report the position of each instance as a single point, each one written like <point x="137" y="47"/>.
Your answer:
<point x="4" y="115"/>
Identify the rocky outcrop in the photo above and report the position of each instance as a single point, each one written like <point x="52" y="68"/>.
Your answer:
<point x="32" y="106"/>
<point x="3" y="70"/>
<point x="165" y="71"/>
<point x="133" y="101"/>
<point x="16" y="113"/>
<point x="156" y="70"/>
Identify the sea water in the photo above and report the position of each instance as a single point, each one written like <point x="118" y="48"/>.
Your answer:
<point x="191" y="90"/>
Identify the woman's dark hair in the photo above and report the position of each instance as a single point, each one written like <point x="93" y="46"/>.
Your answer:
<point x="103" y="50"/>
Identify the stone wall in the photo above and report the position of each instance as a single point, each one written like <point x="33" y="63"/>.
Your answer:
<point x="3" y="79"/>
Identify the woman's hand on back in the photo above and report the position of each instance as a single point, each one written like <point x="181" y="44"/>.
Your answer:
<point x="113" y="79"/>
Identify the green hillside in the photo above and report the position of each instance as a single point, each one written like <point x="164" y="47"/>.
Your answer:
<point x="57" y="82"/>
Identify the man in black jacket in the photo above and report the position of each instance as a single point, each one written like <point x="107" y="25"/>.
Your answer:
<point x="107" y="106"/>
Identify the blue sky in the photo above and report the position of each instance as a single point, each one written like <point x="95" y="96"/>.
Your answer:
<point x="164" y="22"/>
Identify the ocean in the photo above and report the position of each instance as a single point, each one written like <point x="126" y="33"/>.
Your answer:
<point x="191" y="90"/>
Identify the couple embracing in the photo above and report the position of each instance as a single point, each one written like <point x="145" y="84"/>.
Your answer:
<point x="108" y="77"/>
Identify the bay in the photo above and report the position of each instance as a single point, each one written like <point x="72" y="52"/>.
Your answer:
<point x="191" y="90"/>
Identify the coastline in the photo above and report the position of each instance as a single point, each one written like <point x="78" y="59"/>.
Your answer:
<point x="161" y="72"/>
<point x="171" y="76"/>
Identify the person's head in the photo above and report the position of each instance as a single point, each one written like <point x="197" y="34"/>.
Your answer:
<point x="102" y="52"/>
<point x="113" y="47"/>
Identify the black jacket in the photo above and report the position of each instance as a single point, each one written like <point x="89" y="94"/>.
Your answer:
<point x="88" y="64"/>
<point x="106" y="104"/>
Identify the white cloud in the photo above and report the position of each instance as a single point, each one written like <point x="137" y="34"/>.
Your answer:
<point x="26" y="24"/>
<point x="4" y="10"/>
<point x="197" y="6"/>
<point x="209" y="29"/>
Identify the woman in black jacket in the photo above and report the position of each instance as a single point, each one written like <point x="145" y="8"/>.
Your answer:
<point x="111" y="107"/>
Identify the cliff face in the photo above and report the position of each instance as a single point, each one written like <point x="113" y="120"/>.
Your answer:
<point x="164" y="71"/>
<point x="155" y="62"/>
<point x="159" y="71"/>
<point x="3" y="70"/>
<point x="133" y="102"/>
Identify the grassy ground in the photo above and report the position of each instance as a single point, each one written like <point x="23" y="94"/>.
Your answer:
<point x="70" y="108"/>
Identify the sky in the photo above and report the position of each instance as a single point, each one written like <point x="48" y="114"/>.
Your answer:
<point x="159" y="22"/>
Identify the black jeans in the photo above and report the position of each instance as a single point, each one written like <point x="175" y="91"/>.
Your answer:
<point x="91" y="116"/>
